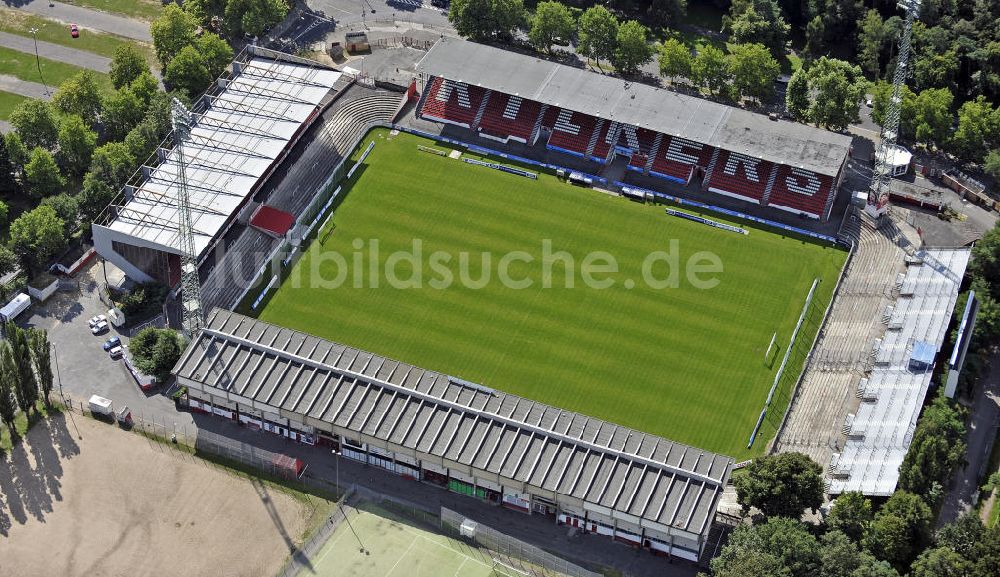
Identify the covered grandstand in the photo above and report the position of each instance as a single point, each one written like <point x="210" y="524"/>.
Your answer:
<point x="505" y="96"/>
<point x="244" y="127"/>
<point x="893" y="392"/>
<point x="603" y="478"/>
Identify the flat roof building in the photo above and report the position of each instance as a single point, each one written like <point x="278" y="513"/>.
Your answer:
<point x="507" y="449"/>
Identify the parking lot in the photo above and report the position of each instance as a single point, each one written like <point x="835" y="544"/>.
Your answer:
<point x="83" y="368"/>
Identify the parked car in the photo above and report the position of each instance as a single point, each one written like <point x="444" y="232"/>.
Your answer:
<point x="116" y="352"/>
<point x="99" y="328"/>
<point x="111" y="343"/>
<point x="95" y="320"/>
<point x="74" y="31"/>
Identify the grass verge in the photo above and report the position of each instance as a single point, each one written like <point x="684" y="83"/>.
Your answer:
<point x="55" y="32"/>
<point x="23" y="423"/>
<point x="8" y="102"/>
<point x="21" y="65"/>
<point x="142" y="9"/>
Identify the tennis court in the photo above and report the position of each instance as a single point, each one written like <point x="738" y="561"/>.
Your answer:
<point x="395" y="548"/>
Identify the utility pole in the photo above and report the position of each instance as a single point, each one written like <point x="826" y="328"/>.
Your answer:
<point x="878" y="193"/>
<point x="191" y="306"/>
<point x="38" y="62"/>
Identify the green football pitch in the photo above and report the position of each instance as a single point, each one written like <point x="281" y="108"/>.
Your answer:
<point x="668" y="355"/>
<point x="394" y="548"/>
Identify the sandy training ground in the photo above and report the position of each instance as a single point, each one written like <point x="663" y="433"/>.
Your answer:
<point x="115" y="504"/>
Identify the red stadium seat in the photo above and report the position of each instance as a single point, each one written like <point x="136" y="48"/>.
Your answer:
<point x="645" y="139"/>
<point x="571" y="132"/>
<point x="800" y="191"/>
<point x="740" y="176"/>
<point x="676" y="158"/>
<point x="452" y="102"/>
<point x="509" y="116"/>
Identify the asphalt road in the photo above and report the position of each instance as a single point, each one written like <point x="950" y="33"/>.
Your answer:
<point x="80" y="58"/>
<point x="86" y="18"/>
<point x="24" y="88"/>
<point x="347" y="12"/>
<point x="985" y="418"/>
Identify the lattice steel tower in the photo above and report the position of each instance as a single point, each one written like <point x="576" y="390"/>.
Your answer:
<point x="878" y="194"/>
<point x="193" y="317"/>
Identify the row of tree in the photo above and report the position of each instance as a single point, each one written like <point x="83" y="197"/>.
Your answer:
<point x="190" y="57"/>
<point x="858" y="539"/>
<point x="25" y="372"/>
<point x="68" y="158"/>
<point x="748" y="70"/>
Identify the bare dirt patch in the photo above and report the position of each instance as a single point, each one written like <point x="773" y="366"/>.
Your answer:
<point x="114" y="503"/>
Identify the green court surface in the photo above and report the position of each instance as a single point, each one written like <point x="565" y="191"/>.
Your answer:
<point x="396" y="549"/>
<point x="684" y="361"/>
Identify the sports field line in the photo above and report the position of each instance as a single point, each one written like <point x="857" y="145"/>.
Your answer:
<point x="396" y="564"/>
<point x="459" y="568"/>
<point x="442" y="545"/>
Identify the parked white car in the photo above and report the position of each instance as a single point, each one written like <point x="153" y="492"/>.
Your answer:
<point x="93" y="322"/>
<point x="116" y="352"/>
<point x="99" y="328"/>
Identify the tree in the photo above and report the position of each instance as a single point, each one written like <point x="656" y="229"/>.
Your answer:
<point x="35" y="123"/>
<point x="935" y="70"/>
<point x="986" y="554"/>
<point x="112" y="165"/>
<point x="940" y="562"/>
<point x="850" y="514"/>
<point x="95" y="197"/>
<point x="757" y="22"/>
<point x="938" y="446"/>
<point x="784" y="484"/>
<point x="674" y="59"/>
<point x="871" y="38"/>
<point x="145" y="88"/>
<point x="710" y="69"/>
<point x="81" y="96"/>
<point x="7" y="168"/>
<point x="215" y="53"/>
<point x="155" y="351"/>
<point x="41" y="174"/>
<point x="4" y="210"/>
<point x="122" y="111"/>
<point x="187" y="72"/>
<point x="841" y="557"/>
<point x="76" y="145"/>
<point x="66" y="208"/>
<point x="961" y="535"/>
<point x="632" y="50"/>
<point x="797" y="95"/>
<point x="173" y="30"/>
<point x="142" y="140"/>
<point x="8" y="384"/>
<point x="900" y="530"/>
<point x="41" y="358"/>
<point x="17" y="150"/>
<point x="978" y="129"/>
<point x="254" y="17"/>
<point x="127" y="64"/>
<point x="754" y="71"/>
<point x="881" y="96"/>
<point x="552" y="20"/>
<point x="787" y="540"/>
<point x="37" y="235"/>
<point x="991" y="164"/>
<point x="837" y="89"/>
<point x="26" y="392"/>
<point x="932" y="114"/>
<point x="598" y="34"/>
<point x="815" y="33"/>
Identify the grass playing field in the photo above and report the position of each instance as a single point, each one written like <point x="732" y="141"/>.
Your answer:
<point x="684" y="362"/>
<point x="396" y="549"/>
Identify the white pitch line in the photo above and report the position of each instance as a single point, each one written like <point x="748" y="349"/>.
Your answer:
<point x="396" y="564"/>
<point x="460" y="566"/>
<point x="442" y="545"/>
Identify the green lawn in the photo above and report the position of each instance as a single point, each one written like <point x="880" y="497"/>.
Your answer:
<point x="8" y="102"/>
<point x="396" y="548"/>
<point x="17" y="22"/>
<point x="686" y="363"/>
<point x="143" y="9"/>
<point x="23" y="66"/>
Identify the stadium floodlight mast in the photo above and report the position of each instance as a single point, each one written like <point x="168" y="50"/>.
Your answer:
<point x="190" y="284"/>
<point x="878" y="193"/>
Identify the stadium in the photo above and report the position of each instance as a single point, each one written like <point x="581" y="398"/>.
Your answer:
<point x="619" y="410"/>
